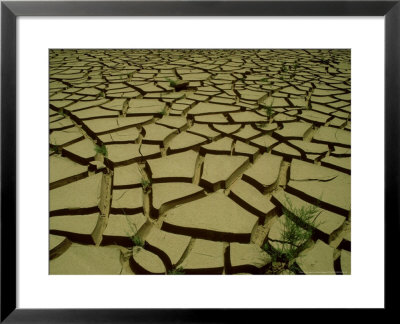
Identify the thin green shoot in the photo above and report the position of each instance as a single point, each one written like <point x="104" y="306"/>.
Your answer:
<point x="54" y="148"/>
<point x="101" y="150"/>
<point x="262" y="124"/>
<point x="297" y="229"/>
<point x="101" y="94"/>
<point x="172" y="83"/>
<point x="268" y="109"/>
<point x="146" y="185"/>
<point x="136" y="239"/>
<point x="61" y="112"/>
<point x="176" y="271"/>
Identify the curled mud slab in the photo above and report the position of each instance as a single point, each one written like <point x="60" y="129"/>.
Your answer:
<point x="200" y="162"/>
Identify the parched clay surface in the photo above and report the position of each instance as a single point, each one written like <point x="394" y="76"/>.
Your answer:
<point x="129" y="176"/>
<point x="220" y="171"/>
<point x="121" y="228"/>
<point x="318" y="183"/>
<point x="206" y="257"/>
<point x="168" y="246"/>
<point x="172" y="168"/>
<point x="215" y="216"/>
<point x="63" y="171"/>
<point x="264" y="173"/>
<point x="77" y="196"/>
<point x="143" y="261"/>
<point x="184" y="161"/>
<point x="129" y="201"/>
<point x="247" y="258"/>
<point x="79" y="260"/>
<point x="78" y="228"/>
<point x="170" y="194"/>
<point x="317" y="260"/>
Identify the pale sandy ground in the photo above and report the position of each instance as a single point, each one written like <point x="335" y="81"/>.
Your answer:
<point x="180" y="161"/>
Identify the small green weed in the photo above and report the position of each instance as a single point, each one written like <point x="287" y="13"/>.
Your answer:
<point x="172" y="83"/>
<point x="264" y="80"/>
<point x="262" y="125"/>
<point x="268" y="109"/>
<point x="61" y="112"/>
<point x="176" y="271"/>
<point x="146" y="185"/>
<point x="163" y="112"/>
<point x="101" y="94"/>
<point x="54" y="148"/>
<point x="136" y="239"/>
<point x="295" y="268"/>
<point x="294" y="236"/>
<point x="101" y="149"/>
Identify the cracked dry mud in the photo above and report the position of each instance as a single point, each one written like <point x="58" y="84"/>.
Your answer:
<point x="193" y="161"/>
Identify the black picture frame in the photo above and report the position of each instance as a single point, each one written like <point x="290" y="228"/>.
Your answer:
<point x="11" y="10"/>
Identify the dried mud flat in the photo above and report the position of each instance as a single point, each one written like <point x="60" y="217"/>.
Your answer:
<point x="200" y="161"/>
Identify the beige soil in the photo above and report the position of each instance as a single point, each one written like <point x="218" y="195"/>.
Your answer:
<point x="185" y="161"/>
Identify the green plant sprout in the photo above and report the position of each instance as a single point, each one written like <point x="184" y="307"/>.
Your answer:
<point x="163" y="112"/>
<point x="297" y="230"/>
<point x="264" y="80"/>
<point x="262" y="124"/>
<point x="136" y="239"/>
<point x="101" y="94"/>
<point x="54" y="148"/>
<point x="101" y="149"/>
<point x="146" y="185"/>
<point x="172" y="83"/>
<point x="268" y="109"/>
<point x="130" y="76"/>
<point x="61" y="112"/>
<point x="176" y="271"/>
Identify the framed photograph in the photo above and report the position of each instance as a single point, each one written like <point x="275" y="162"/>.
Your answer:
<point x="248" y="148"/>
